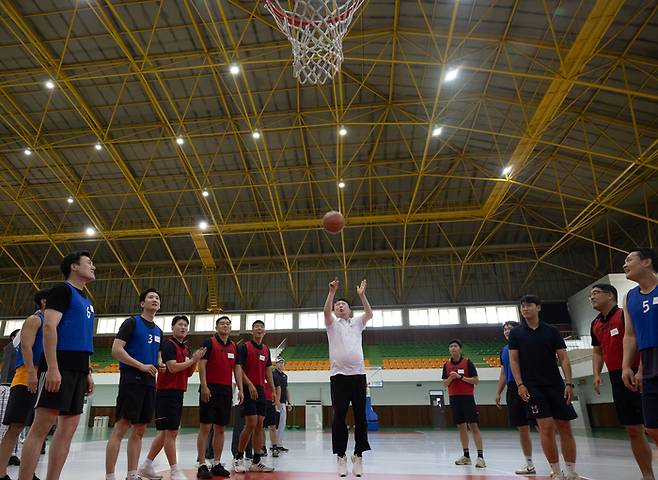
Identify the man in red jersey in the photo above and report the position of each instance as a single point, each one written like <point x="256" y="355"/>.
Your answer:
<point x="216" y="370"/>
<point x="253" y="369"/>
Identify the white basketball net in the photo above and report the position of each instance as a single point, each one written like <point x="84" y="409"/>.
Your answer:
<point x="315" y="29"/>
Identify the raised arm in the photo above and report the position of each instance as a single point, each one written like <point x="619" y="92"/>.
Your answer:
<point x="329" y="303"/>
<point x="361" y="292"/>
<point x="174" y="367"/>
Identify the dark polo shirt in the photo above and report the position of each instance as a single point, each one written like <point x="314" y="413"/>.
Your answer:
<point x="537" y="353"/>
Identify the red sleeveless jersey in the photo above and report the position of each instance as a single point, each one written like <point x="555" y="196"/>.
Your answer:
<point x="269" y="393"/>
<point x="219" y="369"/>
<point x="459" y="386"/>
<point x="175" y="381"/>
<point x="256" y="362"/>
<point x="610" y="336"/>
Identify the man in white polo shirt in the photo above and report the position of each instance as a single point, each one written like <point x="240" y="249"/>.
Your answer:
<point x="348" y="374"/>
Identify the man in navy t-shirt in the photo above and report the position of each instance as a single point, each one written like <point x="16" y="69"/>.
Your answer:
<point x="137" y="347"/>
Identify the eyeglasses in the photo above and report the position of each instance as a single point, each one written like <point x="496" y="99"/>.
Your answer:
<point x="596" y="292"/>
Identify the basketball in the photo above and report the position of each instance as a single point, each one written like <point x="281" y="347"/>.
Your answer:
<point x="333" y="222"/>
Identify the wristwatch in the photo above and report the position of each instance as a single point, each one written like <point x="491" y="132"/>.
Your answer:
<point x="570" y="385"/>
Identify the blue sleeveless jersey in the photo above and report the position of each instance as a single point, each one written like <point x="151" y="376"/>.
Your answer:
<point x="504" y="360"/>
<point x="75" y="331"/>
<point x="144" y="344"/>
<point x="644" y="314"/>
<point x="37" y="348"/>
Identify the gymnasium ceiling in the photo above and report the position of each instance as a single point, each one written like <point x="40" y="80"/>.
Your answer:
<point x="563" y="92"/>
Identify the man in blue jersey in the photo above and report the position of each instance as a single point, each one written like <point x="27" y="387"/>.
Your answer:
<point x="137" y="347"/>
<point x="64" y="371"/>
<point x="515" y="406"/>
<point x="641" y="333"/>
<point x="20" y="406"/>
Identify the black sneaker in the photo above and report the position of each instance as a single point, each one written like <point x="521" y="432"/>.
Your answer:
<point x="14" y="461"/>
<point x="6" y="477"/>
<point x="263" y="452"/>
<point x="203" y="472"/>
<point x="275" y="452"/>
<point x="219" y="471"/>
<point x="281" y="448"/>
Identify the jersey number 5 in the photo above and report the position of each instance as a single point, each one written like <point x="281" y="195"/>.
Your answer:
<point x="645" y="306"/>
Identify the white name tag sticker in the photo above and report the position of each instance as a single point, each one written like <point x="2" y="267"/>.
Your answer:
<point x="614" y="331"/>
<point x="261" y="358"/>
<point x="230" y="355"/>
<point x="655" y="301"/>
<point x="156" y="338"/>
<point x="460" y="371"/>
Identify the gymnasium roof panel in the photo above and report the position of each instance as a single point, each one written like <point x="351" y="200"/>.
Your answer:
<point x="562" y="93"/>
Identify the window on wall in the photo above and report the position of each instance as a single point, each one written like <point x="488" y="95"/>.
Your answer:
<point x="433" y="316"/>
<point x="311" y="320"/>
<point x="164" y="322"/>
<point x="11" y="325"/>
<point x="384" y="318"/>
<point x="273" y="321"/>
<point x="108" y="325"/>
<point x="491" y="315"/>
<point x="206" y="323"/>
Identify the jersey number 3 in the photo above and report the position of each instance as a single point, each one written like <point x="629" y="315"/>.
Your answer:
<point x="150" y="340"/>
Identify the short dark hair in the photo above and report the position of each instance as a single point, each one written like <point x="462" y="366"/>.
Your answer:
<point x="454" y="340"/>
<point x="13" y="334"/>
<point x="510" y="323"/>
<point x="341" y="299"/>
<point x="606" y="287"/>
<point x="70" y="259"/>
<point x="646" y="252"/>
<point x="142" y="296"/>
<point x="222" y="318"/>
<point x="40" y="295"/>
<point x="530" y="299"/>
<point x="179" y="317"/>
<point x="257" y="321"/>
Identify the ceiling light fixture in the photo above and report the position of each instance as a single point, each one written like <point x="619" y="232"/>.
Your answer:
<point x="437" y="131"/>
<point x="234" y="69"/>
<point x="180" y="141"/>
<point x="50" y="84"/>
<point x="203" y="225"/>
<point x="256" y="134"/>
<point x="451" y="75"/>
<point x="90" y="231"/>
<point x="507" y="170"/>
<point x="342" y="131"/>
<point x="205" y="193"/>
<point x="98" y="146"/>
<point x="69" y="200"/>
<point x="341" y="184"/>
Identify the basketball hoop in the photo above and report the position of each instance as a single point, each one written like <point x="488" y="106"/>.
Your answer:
<point x="315" y="29"/>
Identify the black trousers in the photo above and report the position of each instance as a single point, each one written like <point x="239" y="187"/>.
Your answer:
<point x="346" y="389"/>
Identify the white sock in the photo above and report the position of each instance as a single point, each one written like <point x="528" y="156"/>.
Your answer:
<point x="571" y="468"/>
<point x="110" y="476"/>
<point x="147" y="462"/>
<point x="528" y="461"/>
<point x="216" y="461"/>
<point x="132" y="474"/>
<point x="555" y="467"/>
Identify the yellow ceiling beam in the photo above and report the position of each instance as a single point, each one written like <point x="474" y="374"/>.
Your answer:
<point x="600" y="18"/>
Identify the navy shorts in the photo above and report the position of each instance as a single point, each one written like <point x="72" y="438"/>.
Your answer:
<point x="464" y="409"/>
<point x="515" y="407"/>
<point x="254" y="407"/>
<point x="627" y="402"/>
<point x="548" y="401"/>
<point x="650" y="402"/>
<point x="217" y="410"/>
<point x="168" y="409"/>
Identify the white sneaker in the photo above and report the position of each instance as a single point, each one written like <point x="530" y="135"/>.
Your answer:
<point x="480" y="463"/>
<point x="357" y="465"/>
<point x="177" y="475"/>
<point x="526" y="470"/>
<point x="557" y="476"/>
<point x="148" y="473"/>
<point x="238" y="465"/>
<point x="342" y="466"/>
<point x="260" y="467"/>
<point x="463" y="460"/>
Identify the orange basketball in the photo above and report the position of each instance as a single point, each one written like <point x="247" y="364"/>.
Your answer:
<point x="333" y="222"/>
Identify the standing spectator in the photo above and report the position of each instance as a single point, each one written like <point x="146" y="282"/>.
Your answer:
<point x="9" y="359"/>
<point x="281" y="378"/>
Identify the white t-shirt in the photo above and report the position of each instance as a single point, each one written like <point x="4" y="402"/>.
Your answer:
<point x="345" y="346"/>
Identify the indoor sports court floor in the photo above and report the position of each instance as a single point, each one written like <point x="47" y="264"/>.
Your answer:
<point x="396" y="455"/>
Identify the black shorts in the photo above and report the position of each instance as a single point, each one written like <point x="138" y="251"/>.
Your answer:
<point x="515" y="407"/>
<point x="464" y="409"/>
<point x="548" y="401"/>
<point x="20" y="406"/>
<point x="168" y="409"/>
<point x="271" y="415"/>
<point x="650" y="402"/>
<point x="135" y="403"/>
<point x="627" y="403"/>
<point x="218" y="410"/>
<point x="70" y="398"/>
<point x="254" y="407"/>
